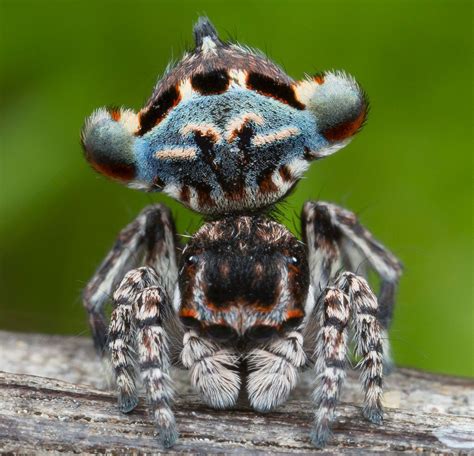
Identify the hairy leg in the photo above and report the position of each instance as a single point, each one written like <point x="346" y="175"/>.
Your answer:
<point x="138" y="342"/>
<point x="148" y="240"/>
<point x="214" y="370"/>
<point x="330" y="360"/>
<point x="274" y="370"/>
<point x="336" y="238"/>
<point x="368" y="335"/>
<point x="337" y="241"/>
<point x="150" y="311"/>
<point x="122" y="341"/>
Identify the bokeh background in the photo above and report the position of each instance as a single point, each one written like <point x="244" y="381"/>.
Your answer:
<point x="408" y="174"/>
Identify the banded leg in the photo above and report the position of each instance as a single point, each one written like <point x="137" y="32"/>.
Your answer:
<point x="336" y="240"/>
<point x="214" y="372"/>
<point x="150" y="311"/>
<point x="148" y="240"/>
<point x="368" y="335"/>
<point x="274" y="371"/>
<point x="330" y="355"/>
<point x="122" y="341"/>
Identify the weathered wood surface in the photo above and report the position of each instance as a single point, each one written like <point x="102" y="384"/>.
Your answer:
<point x="52" y="398"/>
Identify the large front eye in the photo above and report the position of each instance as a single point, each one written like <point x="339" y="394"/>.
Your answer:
<point x="221" y="333"/>
<point x="261" y="333"/>
<point x="293" y="260"/>
<point x="191" y="259"/>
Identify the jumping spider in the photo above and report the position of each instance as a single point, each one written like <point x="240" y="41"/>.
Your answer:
<point x="244" y="304"/>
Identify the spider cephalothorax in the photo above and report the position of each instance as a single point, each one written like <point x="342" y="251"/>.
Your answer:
<point x="244" y="305"/>
<point x="243" y="277"/>
<point x="226" y="129"/>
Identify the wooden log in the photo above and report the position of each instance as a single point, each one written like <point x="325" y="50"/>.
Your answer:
<point x="52" y="399"/>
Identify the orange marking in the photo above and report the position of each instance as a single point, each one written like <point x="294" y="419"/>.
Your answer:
<point x="236" y="125"/>
<point x="205" y="130"/>
<point x="260" y="140"/>
<point x="285" y="173"/>
<point x="188" y="313"/>
<point x="118" y="171"/>
<point x="265" y="323"/>
<point x="180" y="153"/>
<point x="115" y="114"/>
<point x="346" y="129"/>
<point x="319" y="78"/>
<point x="295" y="313"/>
<point x="266" y="185"/>
<point x="185" y="194"/>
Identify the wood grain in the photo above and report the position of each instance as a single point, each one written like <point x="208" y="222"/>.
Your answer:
<point x="53" y="399"/>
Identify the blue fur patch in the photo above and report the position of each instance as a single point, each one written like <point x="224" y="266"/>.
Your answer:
<point x="219" y="111"/>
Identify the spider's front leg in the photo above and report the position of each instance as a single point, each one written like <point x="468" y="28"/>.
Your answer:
<point x="138" y="340"/>
<point x="337" y="241"/>
<point x="343" y="302"/>
<point x="148" y="240"/>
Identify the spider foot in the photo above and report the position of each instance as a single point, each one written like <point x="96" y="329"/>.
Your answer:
<point x="127" y="402"/>
<point x="373" y="414"/>
<point x="320" y="435"/>
<point x="166" y="427"/>
<point x="168" y="437"/>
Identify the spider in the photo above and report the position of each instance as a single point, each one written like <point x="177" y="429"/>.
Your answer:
<point x="244" y="305"/>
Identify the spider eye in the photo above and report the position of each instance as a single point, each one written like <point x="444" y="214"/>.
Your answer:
<point x="261" y="333"/>
<point x="293" y="260"/>
<point x="191" y="259"/>
<point x="221" y="333"/>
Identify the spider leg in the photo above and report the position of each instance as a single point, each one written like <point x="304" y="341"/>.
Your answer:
<point x="122" y="329"/>
<point x="274" y="370"/>
<point x="350" y="301"/>
<point x="138" y="341"/>
<point x="336" y="240"/>
<point x="213" y="369"/>
<point x="150" y="312"/>
<point x="330" y="354"/>
<point x="339" y="227"/>
<point x="368" y="335"/>
<point x="343" y="302"/>
<point x="148" y="240"/>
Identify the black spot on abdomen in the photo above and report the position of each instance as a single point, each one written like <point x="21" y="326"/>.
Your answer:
<point x="270" y="87"/>
<point x="211" y="83"/>
<point x="158" y="109"/>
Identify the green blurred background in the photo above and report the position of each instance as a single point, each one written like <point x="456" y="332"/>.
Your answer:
<point x="408" y="174"/>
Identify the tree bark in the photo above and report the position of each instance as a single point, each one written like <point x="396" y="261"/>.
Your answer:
<point x="53" y="399"/>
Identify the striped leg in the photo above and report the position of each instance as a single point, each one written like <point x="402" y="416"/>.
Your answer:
<point x="150" y="310"/>
<point x="330" y="361"/>
<point x="336" y="240"/>
<point x="368" y="334"/>
<point x="148" y="240"/>
<point x="358" y="248"/>
<point x="122" y="342"/>
<point x="274" y="371"/>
